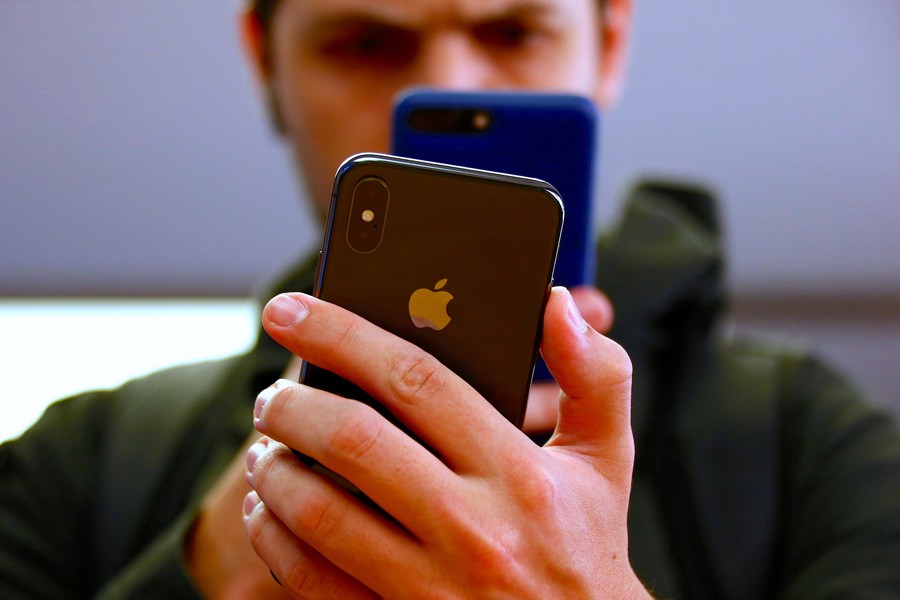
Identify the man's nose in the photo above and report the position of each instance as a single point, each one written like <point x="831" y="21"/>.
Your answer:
<point x="453" y="60"/>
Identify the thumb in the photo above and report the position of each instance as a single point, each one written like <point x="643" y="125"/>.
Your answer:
<point x="594" y="375"/>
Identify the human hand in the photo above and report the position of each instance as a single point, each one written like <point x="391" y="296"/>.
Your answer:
<point x="494" y="516"/>
<point x="219" y="557"/>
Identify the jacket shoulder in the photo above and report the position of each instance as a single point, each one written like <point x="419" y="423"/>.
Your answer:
<point x="159" y="437"/>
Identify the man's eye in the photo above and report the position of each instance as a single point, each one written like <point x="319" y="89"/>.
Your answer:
<point x="507" y="34"/>
<point x="371" y="45"/>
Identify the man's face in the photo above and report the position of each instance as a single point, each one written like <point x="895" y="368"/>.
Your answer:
<point x="337" y="65"/>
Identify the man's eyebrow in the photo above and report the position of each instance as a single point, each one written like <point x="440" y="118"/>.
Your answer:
<point x="387" y="17"/>
<point x="350" y="18"/>
<point x="339" y="21"/>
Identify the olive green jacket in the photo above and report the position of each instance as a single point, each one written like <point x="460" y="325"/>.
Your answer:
<point x="760" y="473"/>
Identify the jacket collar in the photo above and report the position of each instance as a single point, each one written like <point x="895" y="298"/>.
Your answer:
<point x="661" y="266"/>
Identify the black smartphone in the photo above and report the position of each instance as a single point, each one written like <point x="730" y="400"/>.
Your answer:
<point x="458" y="261"/>
<point x="553" y="137"/>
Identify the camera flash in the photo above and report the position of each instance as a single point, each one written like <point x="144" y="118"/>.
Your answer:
<point x="368" y="216"/>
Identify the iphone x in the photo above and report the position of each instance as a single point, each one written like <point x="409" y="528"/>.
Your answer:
<point x="458" y="261"/>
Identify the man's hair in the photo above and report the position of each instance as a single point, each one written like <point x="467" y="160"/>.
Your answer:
<point x="263" y="10"/>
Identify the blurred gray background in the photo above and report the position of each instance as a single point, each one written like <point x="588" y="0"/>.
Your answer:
<point x="135" y="159"/>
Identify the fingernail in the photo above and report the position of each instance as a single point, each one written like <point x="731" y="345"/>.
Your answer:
<point x="263" y="398"/>
<point x="574" y="315"/>
<point x="254" y="452"/>
<point x="286" y="310"/>
<point x="251" y="501"/>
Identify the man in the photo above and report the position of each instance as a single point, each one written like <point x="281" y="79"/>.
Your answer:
<point x="727" y="469"/>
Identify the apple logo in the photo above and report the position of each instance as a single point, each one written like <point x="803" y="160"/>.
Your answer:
<point x="428" y="308"/>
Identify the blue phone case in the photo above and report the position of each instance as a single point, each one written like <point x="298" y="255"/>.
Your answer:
<point x="553" y="137"/>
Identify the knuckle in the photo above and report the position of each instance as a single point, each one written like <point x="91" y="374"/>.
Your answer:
<point x="496" y="550"/>
<point x="417" y="378"/>
<point x="537" y="488"/>
<point x="619" y="369"/>
<point x="497" y="558"/>
<point x="318" y="516"/>
<point x="347" y="335"/>
<point x="302" y="580"/>
<point x="356" y="434"/>
<point x="502" y="552"/>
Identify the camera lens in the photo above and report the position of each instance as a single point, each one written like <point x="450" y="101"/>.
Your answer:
<point x="370" y="192"/>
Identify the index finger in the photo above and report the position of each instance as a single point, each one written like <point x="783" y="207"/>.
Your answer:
<point x="438" y="406"/>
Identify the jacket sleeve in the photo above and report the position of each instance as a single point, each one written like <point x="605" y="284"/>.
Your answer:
<point x="841" y="491"/>
<point x="48" y="506"/>
<point x="158" y="572"/>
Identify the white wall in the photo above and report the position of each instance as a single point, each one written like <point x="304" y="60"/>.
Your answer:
<point x="53" y="348"/>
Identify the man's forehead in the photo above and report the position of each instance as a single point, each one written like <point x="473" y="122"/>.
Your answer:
<point x="422" y="12"/>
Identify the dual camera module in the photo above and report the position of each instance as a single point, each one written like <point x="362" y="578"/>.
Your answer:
<point x="450" y="120"/>
<point x="368" y="210"/>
